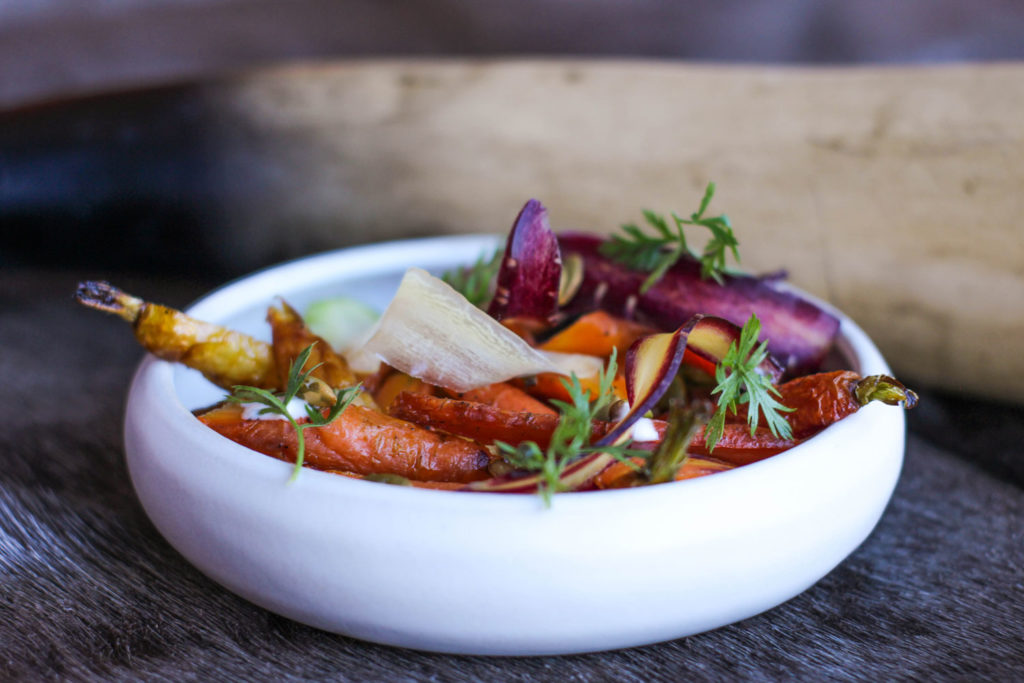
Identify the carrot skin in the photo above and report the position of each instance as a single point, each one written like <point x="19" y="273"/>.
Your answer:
<point x="818" y="401"/>
<point x="738" y="447"/>
<point x="550" y="385"/>
<point x="397" y="382"/>
<point x="487" y="424"/>
<point x="621" y="475"/>
<point x="291" y="337"/>
<point x="597" y="334"/>
<point x="362" y="441"/>
<point x="505" y="396"/>
<point x="477" y="421"/>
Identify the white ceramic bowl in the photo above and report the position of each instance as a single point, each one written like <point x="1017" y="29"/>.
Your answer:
<point x="493" y="573"/>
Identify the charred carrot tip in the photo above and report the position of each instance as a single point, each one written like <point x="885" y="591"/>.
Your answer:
<point x="103" y="296"/>
<point x="98" y="294"/>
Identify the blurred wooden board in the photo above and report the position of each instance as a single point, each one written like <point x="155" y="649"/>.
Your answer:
<point x="894" y="193"/>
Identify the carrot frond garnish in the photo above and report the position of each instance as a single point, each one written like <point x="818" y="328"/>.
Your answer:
<point x="739" y="382"/>
<point x="298" y="381"/>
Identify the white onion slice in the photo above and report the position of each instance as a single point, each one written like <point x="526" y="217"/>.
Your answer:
<point x="432" y="332"/>
<point x="569" y="363"/>
<point x="358" y="358"/>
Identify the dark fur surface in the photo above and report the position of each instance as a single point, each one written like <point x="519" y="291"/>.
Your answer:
<point x="91" y="591"/>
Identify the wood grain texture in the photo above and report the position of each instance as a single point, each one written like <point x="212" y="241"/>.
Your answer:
<point x="894" y="193"/>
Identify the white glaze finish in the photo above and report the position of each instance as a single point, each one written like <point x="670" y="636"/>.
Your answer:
<point x="493" y="573"/>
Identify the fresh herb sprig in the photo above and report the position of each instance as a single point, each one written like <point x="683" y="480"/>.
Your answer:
<point x="571" y="438"/>
<point x="474" y="282"/>
<point x="739" y="382"/>
<point x="277" y="404"/>
<point x="659" y="252"/>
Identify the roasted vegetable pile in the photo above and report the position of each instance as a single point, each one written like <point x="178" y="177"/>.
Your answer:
<point x="562" y="362"/>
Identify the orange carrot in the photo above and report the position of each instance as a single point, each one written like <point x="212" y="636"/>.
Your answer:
<point x="397" y="382"/>
<point x="291" y="337"/>
<point x="597" y="334"/>
<point x="487" y="424"/>
<point x="821" y="399"/>
<point x="549" y="385"/>
<point x="699" y="466"/>
<point x="505" y="396"/>
<point x="477" y="421"/>
<point x="739" y="447"/>
<point x="360" y="440"/>
<point x="484" y="423"/>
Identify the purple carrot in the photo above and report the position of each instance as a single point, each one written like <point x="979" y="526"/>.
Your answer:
<point x="527" y="285"/>
<point x="799" y="333"/>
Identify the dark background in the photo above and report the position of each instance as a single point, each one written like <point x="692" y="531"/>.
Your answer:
<point x="103" y="145"/>
<point x="52" y="48"/>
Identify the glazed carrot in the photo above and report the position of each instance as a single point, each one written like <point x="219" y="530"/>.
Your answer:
<point x="477" y="421"/>
<point x="372" y="381"/>
<point x="487" y="424"/>
<point x="291" y="337"/>
<point x="397" y="382"/>
<point x="361" y="441"/>
<point x="820" y="399"/>
<point x="224" y="356"/>
<point x="738" y="447"/>
<point x="550" y="385"/>
<point x="702" y="465"/>
<point x="505" y="396"/>
<point x="597" y="334"/>
<point x="621" y="475"/>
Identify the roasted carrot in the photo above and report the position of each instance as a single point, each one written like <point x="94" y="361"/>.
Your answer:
<point x="477" y="421"/>
<point x="550" y="385"/>
<point x="291" y="337"/>
<point x="505" y="396"/>
<point x="739" y="447"/>
<point x="395" y="383"/>
<point x="487" y="424"/>
<point x="621" y="475"/>
<point x="372" y="381"/>
<point x="702" y="465"/>
<point x="597" y="334"/>
<point x="484" y="423"/>
<point x="821" y="399"/>
<point x="361" y="441"/>
<point x="225" y="357"/>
